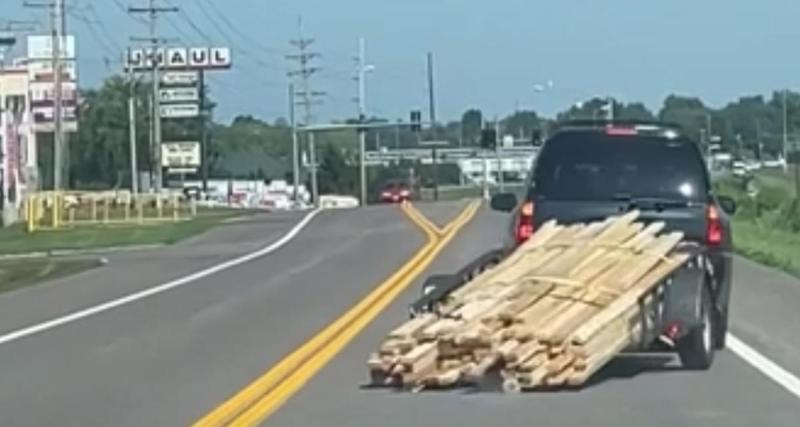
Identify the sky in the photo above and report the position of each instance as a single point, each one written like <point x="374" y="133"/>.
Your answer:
<point x="487" y="54"/>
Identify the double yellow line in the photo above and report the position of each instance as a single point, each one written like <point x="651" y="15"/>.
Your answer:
<point x="253" y="404"/>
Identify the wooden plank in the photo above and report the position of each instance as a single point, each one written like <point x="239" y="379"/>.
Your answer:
<point x="619" y="278"/>
<point x="438" y="328"/>
<point x="408" y="329"/>
<point x="560" y="363"/>
<point x="631" y="298"/>
<point x="421" y="357"/>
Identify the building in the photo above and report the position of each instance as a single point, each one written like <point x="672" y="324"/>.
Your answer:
<point x="27" y="106"/>
<point x="18" y="159"/>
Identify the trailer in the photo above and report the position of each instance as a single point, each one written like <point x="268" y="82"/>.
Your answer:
<point x="674" y="312"/>
<point x="558" y="308"/>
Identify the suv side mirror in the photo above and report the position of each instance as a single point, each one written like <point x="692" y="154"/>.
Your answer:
<point x="504" y="202"/>
<point x="727" y="204"/>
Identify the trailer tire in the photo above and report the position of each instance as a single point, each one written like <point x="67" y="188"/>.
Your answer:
<point x="696" y="349"/>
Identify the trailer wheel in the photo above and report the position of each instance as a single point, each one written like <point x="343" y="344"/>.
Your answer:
<point x="696" y="350"/>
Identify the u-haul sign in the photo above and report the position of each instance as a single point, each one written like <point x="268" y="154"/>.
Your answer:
<point x="180" y="58"/>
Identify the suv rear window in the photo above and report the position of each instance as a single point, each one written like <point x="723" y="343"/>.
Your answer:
<point x="594" y="166"/>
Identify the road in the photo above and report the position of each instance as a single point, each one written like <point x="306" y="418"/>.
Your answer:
<point x="169" y="358"/>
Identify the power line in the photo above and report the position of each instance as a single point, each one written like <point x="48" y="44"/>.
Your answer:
<point x="244" y="36"/>
<point x="104" y="40"/>
<point x="124" y="9"/>
<point x="248" y="54"/>
<point x="188" y="19"/>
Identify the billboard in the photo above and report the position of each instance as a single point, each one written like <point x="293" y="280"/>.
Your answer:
<point x="42" y="102"/>
<point x="41" y="85"/>
<point x="179" y="58"/>
<point x="40" y="52"/>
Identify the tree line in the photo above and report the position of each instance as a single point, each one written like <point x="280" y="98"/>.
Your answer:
<point x="250" y="147"/>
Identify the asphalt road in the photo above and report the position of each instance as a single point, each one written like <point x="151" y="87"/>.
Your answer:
<point x="629" y="392"/>
<point x="168" y="359"/>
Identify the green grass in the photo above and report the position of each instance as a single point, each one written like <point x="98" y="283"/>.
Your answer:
<point x="776" y="178"/>
<point x="769" y="246"/>
<point x="15" y="274"/>
<point x="15" y="240"/>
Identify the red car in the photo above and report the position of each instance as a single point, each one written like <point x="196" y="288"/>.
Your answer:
<point x="395" y="193"/>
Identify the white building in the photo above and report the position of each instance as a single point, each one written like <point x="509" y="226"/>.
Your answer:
<point x="18" y="162"/>
<point x="27" y="105"/>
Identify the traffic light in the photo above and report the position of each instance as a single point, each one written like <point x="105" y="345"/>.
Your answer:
<point x="489" y="139"/>
<point x="416" y="121"/>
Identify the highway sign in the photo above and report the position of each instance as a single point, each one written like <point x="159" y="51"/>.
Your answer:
<point x="179" y="94"/>
<point x="179" y="111"/>
<point x="180" y="78"/>
<point x="182" y="154"/>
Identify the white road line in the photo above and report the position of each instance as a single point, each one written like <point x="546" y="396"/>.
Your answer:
<point x="767" y="367"/>
<point x="50" y="324"/>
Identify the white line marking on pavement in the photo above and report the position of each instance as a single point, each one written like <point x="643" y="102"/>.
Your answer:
<point x="50" y="324"/>
<point x="767" y="367"/>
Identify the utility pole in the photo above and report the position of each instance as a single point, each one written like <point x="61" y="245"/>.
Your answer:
<point x="57" y="32"/>
<point x="361" y="78"/>
<point x="153" y="11"/>
<point x="295" y="148"/>
<point x="307" y="98"/>
<point x="501" y="185"/>
<point x="432" y="112"/>
<point x="132" y="132"/>
<point x="431" y="95"/>
<point x="785" y="147"/>
<point x="58" y="23"/>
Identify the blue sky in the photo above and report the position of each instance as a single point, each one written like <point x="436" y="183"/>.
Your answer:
<point x="488" y="54"/>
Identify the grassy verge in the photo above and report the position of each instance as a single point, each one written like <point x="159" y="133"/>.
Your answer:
<point x="770" y="246"/>
<point x="17" y="240"/>
<point x="25" y="272"/>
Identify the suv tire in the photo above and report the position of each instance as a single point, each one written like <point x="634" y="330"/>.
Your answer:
<point x="696" y="350"/>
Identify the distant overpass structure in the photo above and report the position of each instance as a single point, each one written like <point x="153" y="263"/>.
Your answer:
<point x="474" y="163"/>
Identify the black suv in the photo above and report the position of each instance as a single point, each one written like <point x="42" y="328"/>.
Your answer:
<point x="589" y="171"/>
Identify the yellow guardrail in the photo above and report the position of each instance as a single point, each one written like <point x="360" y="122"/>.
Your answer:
<point x="58" y="210"/>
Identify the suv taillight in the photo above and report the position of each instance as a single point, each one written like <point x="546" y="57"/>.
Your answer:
<point x="714" y="232"/>
<point x="525" y="227"/>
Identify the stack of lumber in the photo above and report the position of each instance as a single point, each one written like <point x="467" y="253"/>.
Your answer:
<point x="550" y="315"/>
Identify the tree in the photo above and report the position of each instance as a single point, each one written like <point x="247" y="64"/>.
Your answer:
<point x="471" y="123"/>
<point x="634" y="111"/>
<point x="522" y="123"/>
<point x="99" y="153"/>
<point x="688" y="112"/>
<point x="334" y="174"/>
